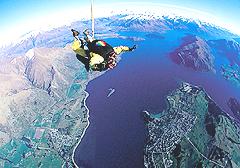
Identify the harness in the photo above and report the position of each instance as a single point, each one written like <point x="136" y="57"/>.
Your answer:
<point x="106" y="51"/>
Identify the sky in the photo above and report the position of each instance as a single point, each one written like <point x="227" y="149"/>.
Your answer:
<point x="21" y="16"/>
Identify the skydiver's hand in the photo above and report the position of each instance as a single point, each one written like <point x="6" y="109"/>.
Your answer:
<point x="98" y="67"/>
<point x="132" y="48"/>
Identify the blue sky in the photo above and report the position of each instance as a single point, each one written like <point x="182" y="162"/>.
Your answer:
<point x="24" y="15"/>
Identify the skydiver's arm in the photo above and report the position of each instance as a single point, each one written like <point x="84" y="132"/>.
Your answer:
<point x="118" y="50"/>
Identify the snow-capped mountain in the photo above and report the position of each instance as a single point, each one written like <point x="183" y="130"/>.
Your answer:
<point x="133" y="15"/>
<point x="128" y="21"/>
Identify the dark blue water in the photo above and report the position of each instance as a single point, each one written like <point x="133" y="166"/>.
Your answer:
<point x="116" y="135"/>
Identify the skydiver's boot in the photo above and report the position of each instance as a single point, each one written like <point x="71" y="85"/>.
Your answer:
<point x="88" y="37"/>
<point x="75" y="33"/>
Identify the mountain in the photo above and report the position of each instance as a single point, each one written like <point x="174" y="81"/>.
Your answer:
<point x="231" y="73"/>
<point x="228" y="48"/>
<point x="42" y="105"/>
<point x="194" y="53"/>
<point x="234" y="105"/>
<point x="39" y="69"/>
<point x="110" y="27"/>
<point x="237" y="40"/>
<point x="148" y="22"/>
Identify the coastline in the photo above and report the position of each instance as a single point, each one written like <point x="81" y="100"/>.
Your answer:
<point x="88" y="123"/>
<point x="92" y="77"/>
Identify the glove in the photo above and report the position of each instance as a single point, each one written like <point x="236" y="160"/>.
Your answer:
<point x="132" y="48"/>
<point x="98" y="67"/>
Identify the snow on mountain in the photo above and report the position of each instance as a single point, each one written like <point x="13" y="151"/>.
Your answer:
<point x="156" y="10"/>
<point x="151" y="18"/>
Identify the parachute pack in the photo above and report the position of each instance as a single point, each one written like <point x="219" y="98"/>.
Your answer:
<point x="100" y="47"/>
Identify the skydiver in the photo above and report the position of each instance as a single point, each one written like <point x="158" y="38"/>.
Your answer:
<point x="78" y="47"/>
<point x="101" y="55"/>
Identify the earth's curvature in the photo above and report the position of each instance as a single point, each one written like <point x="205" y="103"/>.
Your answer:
<point x="176" y="100"/>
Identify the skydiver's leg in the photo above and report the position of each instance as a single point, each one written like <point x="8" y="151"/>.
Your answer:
<point x="84" y="60"/>
<point x="87" y="37"/>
